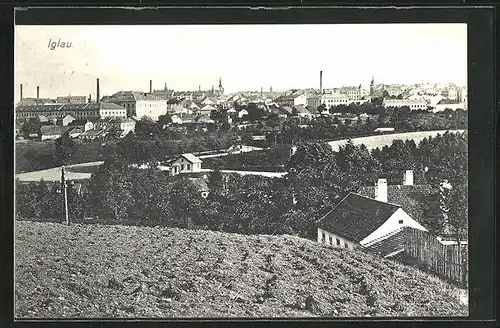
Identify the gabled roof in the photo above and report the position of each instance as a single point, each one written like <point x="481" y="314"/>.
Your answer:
<point x="302" y="109"/>
<point x="413" y="199"/>
<point x="191" y="158"/>
<point x="356" y="216"/>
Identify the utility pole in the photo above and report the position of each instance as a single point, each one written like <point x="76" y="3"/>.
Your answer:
<point x="64" y="187"/>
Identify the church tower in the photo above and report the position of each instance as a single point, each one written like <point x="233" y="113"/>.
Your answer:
<point x="221" y="88"/>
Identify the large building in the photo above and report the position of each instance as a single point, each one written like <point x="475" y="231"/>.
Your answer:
<point x="78" y="111"/>
<point x="71" y="100"/>
<point x="292" y="99"/>
<point x="150" y="107"/>
<point x="139" y="104"/>
<point x="412" y="104"/>
<point x="353" y="93"/>
<point x="334" y="99"/>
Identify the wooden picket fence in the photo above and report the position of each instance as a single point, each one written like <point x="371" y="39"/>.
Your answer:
<point x="447" y="261"/>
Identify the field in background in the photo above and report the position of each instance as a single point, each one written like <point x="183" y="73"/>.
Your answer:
<point x="90" y="271"/>
<point x="380" y="141"/>
<point x="39" y="155"/>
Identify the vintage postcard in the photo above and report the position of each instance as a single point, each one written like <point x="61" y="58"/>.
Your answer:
<point x="241" y="171"/>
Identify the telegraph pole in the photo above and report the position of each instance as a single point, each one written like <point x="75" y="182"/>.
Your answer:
<point x="64" y="187"/>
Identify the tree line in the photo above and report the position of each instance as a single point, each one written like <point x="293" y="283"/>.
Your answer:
<point x="318" y="179"/>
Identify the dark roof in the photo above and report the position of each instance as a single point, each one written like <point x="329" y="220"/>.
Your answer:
<point x="356" y="216"/>
<point x="78" y="123"/>
<point x="413" y="199"/>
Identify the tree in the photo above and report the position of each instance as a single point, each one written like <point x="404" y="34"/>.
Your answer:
<point x="273" y="120"/>
<point x="30" y="126"/>
<point x="117" y="196"/>
<point x="164" y="120"/>
<point x="64" y="149"/>
<point x="216" y="182"/>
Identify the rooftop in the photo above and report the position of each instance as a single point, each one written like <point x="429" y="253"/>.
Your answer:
<point x="356" y="216"/>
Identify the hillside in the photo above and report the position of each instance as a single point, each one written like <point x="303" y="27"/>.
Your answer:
<point x="115" y="271"/>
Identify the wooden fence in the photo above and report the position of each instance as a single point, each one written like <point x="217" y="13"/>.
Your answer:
<point x="447" y="261"/>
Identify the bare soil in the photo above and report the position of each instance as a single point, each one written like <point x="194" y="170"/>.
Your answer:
<point x="99" y="271"/>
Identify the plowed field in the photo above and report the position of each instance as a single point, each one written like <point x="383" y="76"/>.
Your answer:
<point x="90" y="271"/>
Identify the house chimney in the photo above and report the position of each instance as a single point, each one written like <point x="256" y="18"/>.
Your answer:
<point x="320" y="82"/>
<point x="98" y="98"/>
<point x="21" y="91"/>
<point x="381" y="190"/>
<point x="150" y="87"/>
<point x="408" y="178"/>
<point x="37" y="92"/>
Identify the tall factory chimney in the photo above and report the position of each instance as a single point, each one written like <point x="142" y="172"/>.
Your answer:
<point x="21" y="91"/>
<point x="150" y="87"/>
<point x="90" y="98"/>
<point x="98" y="98"/>
<point x="321" y="82"/>
<point x="261" y="91"/>
<point x="37" y="92"/>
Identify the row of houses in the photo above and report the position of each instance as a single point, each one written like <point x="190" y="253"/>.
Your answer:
<point x="88" y="129"/>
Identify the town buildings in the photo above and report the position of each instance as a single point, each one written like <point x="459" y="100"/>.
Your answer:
<point x="293" y="99"/>
<point x="398" y="103"/>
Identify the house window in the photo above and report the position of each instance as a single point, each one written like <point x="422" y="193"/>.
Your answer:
<point x="182" y="167"/>
<point x="188" y="166"/>
<point x="331" y="240"/>
<point x="324" y="237"/>
<point x="338" y="242"/>
<point x="345" y="245"/>
<point x="400" y="221"/>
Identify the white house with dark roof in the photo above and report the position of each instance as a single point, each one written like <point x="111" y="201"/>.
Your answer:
<point x="359" y="221"/>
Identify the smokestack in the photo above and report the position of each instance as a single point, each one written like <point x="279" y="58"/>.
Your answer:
<point x="261" y="91"/>
<point x="408" y="178"/>
<point x="199" y="87"/>
<point x="98" y="98"/>
<point x="381" y="190"/>
<point x="37" y="92"/>
<point x="21" y="91"/>
<point x="150" y="87"/>
<point x="321" y="82"/>
<point x="90" y="98"/>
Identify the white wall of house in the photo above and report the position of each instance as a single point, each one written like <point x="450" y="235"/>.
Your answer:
<point x="115" y="112"/>
<point x="152" y="108"/>
<point x="300" y="100"/>
<point x="396" y="222"/>
<point x="50" y="136"/>
<point x="442" y="107"/>
<point x="67" y="120"/>
<point x="331" y="239"/>
<point x="183" y="165"/>
<point x="89" y="126"/>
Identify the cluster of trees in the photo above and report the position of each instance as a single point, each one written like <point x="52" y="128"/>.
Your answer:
<point x="43" y="201"/>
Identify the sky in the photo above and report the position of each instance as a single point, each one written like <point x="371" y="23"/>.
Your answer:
<point x="245" y="57"/>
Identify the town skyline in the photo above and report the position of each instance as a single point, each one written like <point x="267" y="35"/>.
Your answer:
<point x="264" y="57"/>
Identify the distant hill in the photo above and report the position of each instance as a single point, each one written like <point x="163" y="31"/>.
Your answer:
<point x="91" y="271"/>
